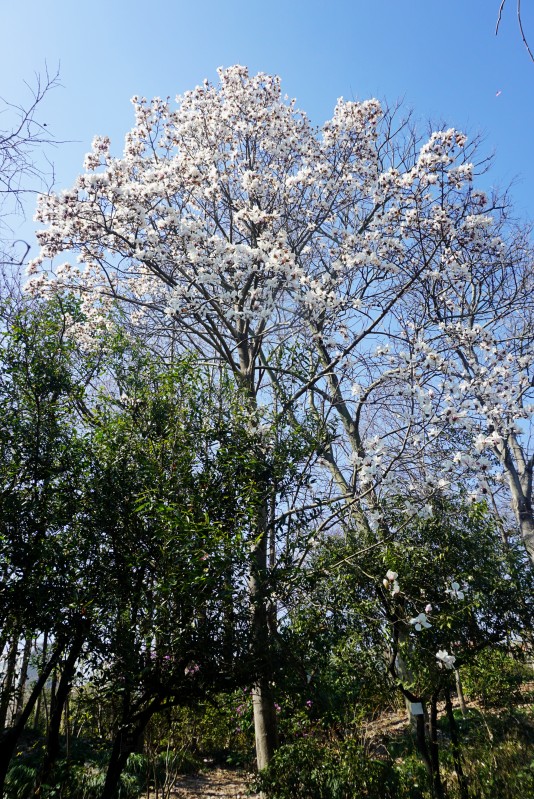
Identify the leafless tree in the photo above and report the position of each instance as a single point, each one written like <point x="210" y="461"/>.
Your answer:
<point x="24" y="166"/>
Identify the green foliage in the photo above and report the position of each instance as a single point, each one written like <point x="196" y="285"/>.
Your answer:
<point x="356" y="619"/>
<point x="308" y="769"/>
<point x="220" y="730"/>
<point x="495" y="678"/>
<point x="497" y="754"/>
<point x="174" y="537"/>
<point x="19" y="781"/>
<point x="505" y="770"/>
<point x="74" y="779"/>
<point x="355" y="639"/>
<point x="412" y="777"/>
<point x="132" y="513"/>
<point x="42" y="470"/>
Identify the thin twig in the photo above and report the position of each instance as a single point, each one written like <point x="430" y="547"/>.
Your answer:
<point x="499" y="17"/>
<point x="520" y="22"/>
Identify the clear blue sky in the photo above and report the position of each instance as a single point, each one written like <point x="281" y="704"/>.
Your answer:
<point x="442" y="57"/>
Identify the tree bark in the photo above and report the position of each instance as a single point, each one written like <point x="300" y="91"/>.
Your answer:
<point x="421" y="745"/>
<point x="56" y="712"/>
<point x="456" y="754"/>
<point x="9" y="679"/>
<point x="437" y="785"/>
<point x="265" y="723"/>
<point x="526" y="525"/>
<point x="23" y="676"/>
<point x="265" y="726"/>
<point x="125" y="743"/>
<point x="460" y="692"/>
<point x="8" y="740"/>
<point x="520" y="476"/>
<point x="403" y="670"/>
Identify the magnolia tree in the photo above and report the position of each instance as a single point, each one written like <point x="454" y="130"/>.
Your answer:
<point x="330" y="269"/>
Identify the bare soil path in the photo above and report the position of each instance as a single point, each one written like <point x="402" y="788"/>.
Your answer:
<point x="211" y="785"/>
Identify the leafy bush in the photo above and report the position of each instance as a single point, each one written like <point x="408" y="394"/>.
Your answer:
<point x="19" y="781"/>
<point x="494" y="678"/>
<point x="76" y="778"/>
<point x="505" y="770"/>
<point x="308" y="769"/>
<point x="221" y="731"/>
<point x="413" y="779"/>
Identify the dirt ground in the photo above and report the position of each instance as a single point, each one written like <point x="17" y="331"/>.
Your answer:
<point x="211" y="785"/>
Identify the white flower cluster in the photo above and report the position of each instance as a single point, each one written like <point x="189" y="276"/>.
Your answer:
<point x="445" y="660"/>
<point x="421" y="622"/>
<point x="228" y="207"/>
<point x="391" y="583"/>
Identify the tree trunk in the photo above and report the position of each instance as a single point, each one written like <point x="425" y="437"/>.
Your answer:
<point x="460" y="692"/>
<point x="125" y="743"/>
<point x="421" y="745"/>
<point x="265" y="726"/>
<point x="8" y="741"/>
<point x="9" y="679"/>
<point x="520" y="476"/>
<point x="23" y="676"/>
<point x="437" y="785"/>
<point x="526" y="524"/>
<point x="56" y="712"/>
<point x="456" y="754"/>
<point x="404" y="672"/>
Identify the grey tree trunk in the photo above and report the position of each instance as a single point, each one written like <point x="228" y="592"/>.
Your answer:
<point x="520" y="472"/>
<point x="265" y="727"/>
<point x="9" y="680"/>
<point x="460" y="692"/>
<point x="264" y="724"/>
<point x="23" y="677"/>
<point x="526" y="525"/>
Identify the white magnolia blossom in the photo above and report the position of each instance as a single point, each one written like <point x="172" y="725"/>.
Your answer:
<point x="420" y="622"/>
<point x="391" y="582"/>
<point x="455" y="591"/>
<point x="444" y="659"/>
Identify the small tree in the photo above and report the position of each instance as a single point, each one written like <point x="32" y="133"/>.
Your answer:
<point x="43" y="468"/>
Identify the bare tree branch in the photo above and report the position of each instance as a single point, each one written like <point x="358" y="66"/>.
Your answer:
<point x="23" y="136"/>
<point x="519" y="22"/>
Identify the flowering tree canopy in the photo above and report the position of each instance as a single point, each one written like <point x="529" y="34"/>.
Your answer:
<point x="234" y="224"/>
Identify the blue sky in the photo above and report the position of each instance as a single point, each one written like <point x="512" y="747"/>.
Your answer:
<point x="442" y="58"/>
